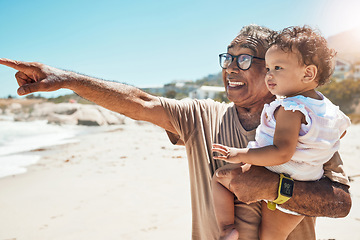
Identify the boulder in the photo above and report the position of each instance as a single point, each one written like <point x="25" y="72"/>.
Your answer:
<point x="13" y="108"/>
<point x="62" y="119"/>
<point x="66" y="108"/>
<point x="41" y="111"/>
<point x="89" y="115"/>
<point x="112" y="118"/>
<point x="66" y="113"/>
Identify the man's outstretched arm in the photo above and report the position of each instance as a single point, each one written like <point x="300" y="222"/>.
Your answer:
<point x="322" y="198"/>
<point x="121" y="98"/>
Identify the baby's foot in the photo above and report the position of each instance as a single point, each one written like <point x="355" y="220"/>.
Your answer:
<point x="230" y="234"/>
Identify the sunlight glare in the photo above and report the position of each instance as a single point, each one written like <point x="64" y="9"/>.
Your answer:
<point x="341" y="15"/>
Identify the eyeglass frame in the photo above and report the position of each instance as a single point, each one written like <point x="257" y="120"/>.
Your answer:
<point x="237" y="58"/>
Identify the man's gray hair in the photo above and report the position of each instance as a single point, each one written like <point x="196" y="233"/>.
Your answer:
<point x="262" y="35"/>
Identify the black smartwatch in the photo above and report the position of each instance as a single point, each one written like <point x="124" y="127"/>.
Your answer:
<point x="285" y="191"/>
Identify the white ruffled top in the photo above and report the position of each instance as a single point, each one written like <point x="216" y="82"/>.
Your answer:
<point x="318" y="140"/>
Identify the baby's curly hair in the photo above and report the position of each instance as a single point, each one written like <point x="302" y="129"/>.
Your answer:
<point x="312" y="47"/>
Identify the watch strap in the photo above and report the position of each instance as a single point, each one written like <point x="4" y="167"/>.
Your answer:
<point x="281" y="198"/>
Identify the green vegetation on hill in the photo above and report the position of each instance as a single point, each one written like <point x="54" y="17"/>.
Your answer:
<point x="345" y="94"/>
<point x="211" y="80"/>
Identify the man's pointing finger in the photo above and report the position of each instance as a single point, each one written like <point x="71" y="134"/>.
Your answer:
<point x="18" y="65"/>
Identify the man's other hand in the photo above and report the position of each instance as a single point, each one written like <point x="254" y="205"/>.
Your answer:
<point x="251" y="183"/>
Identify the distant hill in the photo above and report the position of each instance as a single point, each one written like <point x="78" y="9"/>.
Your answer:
<point x="211" y="80"/>
<point x="347" y="44"/>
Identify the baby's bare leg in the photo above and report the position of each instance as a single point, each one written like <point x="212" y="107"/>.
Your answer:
<point x="276" y="224"/>
<point x="224" y="208"/>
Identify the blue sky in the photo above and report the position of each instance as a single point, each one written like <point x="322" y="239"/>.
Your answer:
<point x="147" y="43"/>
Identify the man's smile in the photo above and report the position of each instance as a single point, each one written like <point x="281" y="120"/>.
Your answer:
<point x="234" y="84"/>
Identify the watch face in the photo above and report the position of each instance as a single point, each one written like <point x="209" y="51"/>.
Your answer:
<point x="287" y="187"/>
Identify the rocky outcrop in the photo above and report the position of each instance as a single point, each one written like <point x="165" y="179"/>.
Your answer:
<point x="66" y="113"/>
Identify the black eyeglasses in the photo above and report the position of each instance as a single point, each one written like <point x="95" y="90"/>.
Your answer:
<point x="243" y="60"/>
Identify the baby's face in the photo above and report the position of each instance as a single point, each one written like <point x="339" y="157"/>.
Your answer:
<point x="284" y="72"/>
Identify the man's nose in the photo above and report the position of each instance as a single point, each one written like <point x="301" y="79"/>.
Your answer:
<point x="233" y="67"/>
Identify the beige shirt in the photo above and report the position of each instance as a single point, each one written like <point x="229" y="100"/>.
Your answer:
<point x="200" y="123"/>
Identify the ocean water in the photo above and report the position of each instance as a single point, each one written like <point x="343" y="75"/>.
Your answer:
<point x="18" y="138"/>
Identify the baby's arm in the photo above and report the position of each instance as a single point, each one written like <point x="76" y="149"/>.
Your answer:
<point x="286" y="136"/>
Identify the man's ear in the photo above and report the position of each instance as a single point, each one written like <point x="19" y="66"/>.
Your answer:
<point x="310" y="73"/>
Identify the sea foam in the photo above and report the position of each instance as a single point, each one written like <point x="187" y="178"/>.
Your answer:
<point x="18" y="138"/>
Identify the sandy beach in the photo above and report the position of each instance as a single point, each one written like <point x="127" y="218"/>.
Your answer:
<point x="126" y="182"/>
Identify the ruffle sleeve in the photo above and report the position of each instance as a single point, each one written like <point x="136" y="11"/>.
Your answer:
<point x="289" y="105"/>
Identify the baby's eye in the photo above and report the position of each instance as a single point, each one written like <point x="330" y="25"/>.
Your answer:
<point x="267" y="69"/>
<point x="278" y="67"/>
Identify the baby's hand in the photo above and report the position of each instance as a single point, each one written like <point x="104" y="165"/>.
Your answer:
<point x="228" y="154"/>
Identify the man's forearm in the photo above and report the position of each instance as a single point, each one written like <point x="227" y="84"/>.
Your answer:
<point x="322" y="198"/>
<point x="127" y="100"/>
<point x="114" y="96"/>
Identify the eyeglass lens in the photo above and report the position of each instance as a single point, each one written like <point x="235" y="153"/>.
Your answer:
<point x="243" y="61"/>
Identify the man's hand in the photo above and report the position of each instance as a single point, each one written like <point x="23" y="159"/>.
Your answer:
<point x="250" y="183"/>
<point x="34" y="77"/>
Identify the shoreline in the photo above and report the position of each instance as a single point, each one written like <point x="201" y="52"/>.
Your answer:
<point x="20" y="139"/>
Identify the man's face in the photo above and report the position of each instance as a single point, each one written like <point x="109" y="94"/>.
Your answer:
<point x="246" y="88"/>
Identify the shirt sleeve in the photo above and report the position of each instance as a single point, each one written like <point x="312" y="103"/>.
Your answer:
<point x="189" y="115"/>
<point x="334" y="170"/>
<point x="293" y="106"/>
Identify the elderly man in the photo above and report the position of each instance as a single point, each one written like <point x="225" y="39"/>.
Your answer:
<point x="198" y="124"/>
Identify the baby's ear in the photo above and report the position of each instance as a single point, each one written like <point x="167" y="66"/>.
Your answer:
<point x="310" y="73"/>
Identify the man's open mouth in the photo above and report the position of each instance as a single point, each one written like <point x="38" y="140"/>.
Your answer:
<point x="235" y="84"/>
